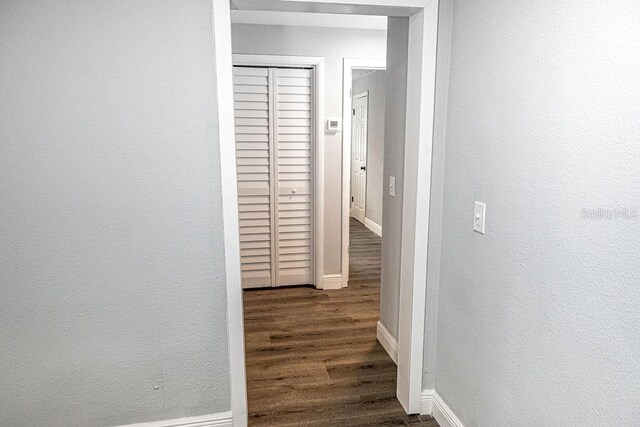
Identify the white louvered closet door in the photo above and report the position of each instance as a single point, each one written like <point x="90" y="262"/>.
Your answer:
<point x="255" y="191"/>
<point x="294" y="172"/>
<point x="274" y="169"/>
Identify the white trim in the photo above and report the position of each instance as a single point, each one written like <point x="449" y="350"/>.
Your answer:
<point x="358" y="7"/>
<point x="426" y="402"/>
<point x="421" y="78"/>
<point x="317" y="62"/>
<point x="388" y="341"/>
<point x="433" y="404"/>
<point x="376" y="228"/>
<point x="221" y="22"/>
<point x="443" y="414"/>
<point x="276" y="60"/>
<point x="355" y="79"/>
<point x="348" y="66"/>
<point x="361" y="94"/>
<point x="332" y="281"/>
<point x="222" y="419"/>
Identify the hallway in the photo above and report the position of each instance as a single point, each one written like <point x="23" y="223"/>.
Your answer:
<point x="312" y="356"/>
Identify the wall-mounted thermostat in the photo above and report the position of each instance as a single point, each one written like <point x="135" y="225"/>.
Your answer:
<point x="332" y="125"/>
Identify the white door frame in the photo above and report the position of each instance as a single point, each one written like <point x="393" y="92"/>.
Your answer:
<point x="317" y="212"/>
<point x="423" y="29"/>
<point x="348" y="65"/>
<point x="221" y="22"/>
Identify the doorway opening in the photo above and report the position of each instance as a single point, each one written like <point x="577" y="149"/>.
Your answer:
<point x="364" y="92"/>
<point x="420" y="77"/>
<point x="323" y="342"/>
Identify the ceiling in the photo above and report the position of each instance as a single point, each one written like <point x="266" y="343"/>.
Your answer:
<point x="366" y="22"/>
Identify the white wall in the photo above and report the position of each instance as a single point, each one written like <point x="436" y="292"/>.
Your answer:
<point x="111" y="262"/>
<point x="375" y="84"/>
<point x="395" y="125"/>
<point x="538" y="319"/>
<point x="333" y="44"/>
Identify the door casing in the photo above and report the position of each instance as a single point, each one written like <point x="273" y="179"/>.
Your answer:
<point x="414" y="287"/>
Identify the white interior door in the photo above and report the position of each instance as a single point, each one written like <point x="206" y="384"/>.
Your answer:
<point x="360" y="105"/>
<point x="274" y="146"/>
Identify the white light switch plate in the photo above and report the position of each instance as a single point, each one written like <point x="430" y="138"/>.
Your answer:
<point x="392" y="186"/>
<point x="479" y="213"/>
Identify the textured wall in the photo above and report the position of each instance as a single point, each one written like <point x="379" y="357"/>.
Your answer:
<point x="375" y="84"/>
<point x="112" y="297"/>
<point x="395" y="125"/>
<point x="333" y="44"/>
<point x="538" y="319"/>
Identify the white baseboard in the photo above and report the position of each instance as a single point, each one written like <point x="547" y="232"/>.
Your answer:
<point x="433" y="404"/>
<point x="332" y="281"/>
<point x="388" y="341"/>
<point x="376" y="228"/>
<point x="221" y="419"/>
<point x="426" y="402"/>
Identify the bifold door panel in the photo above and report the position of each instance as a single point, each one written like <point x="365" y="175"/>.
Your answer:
<point x="274" y="146"/>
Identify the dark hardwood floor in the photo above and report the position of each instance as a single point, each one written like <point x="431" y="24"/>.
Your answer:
<point x="312" y="356"/>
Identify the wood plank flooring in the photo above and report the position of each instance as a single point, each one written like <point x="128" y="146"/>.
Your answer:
<point x="312" y="356"/>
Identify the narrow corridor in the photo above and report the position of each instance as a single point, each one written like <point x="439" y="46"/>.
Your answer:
<point x="312" y="356"/>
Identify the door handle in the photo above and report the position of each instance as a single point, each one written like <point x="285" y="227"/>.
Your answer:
<point x="363" y="168"/>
